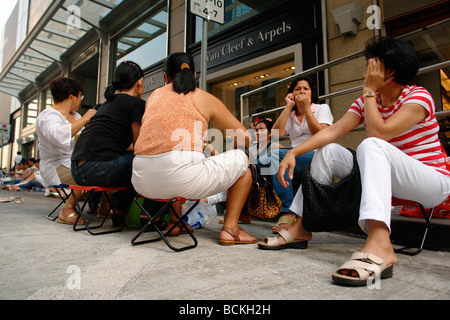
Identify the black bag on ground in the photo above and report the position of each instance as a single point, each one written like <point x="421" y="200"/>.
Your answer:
<point x="331" y="207"/>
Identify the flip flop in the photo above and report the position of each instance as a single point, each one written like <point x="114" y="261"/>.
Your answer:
<point x="236" y="238"/>
<point x="70" y="219"/>
<point x="284" y="219"/>
<point x="273" y="244"/>
<point x="367" y="265"/>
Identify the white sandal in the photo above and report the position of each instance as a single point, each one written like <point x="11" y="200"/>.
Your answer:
<point x="367" y="265"/>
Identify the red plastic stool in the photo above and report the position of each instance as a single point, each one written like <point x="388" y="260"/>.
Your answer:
<point x="152" y="222"/>
<point x="80" y="210"/>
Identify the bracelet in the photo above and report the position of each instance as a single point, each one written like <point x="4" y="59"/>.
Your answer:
<point x="307" y="116"/>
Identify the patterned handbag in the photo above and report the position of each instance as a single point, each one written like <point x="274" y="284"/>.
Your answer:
<point x="262" y="201"/>
<point x="331" y="207"/>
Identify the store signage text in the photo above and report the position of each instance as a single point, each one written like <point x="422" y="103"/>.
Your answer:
<point x="258" y="38"/>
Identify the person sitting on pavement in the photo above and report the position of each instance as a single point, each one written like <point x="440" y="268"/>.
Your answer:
<point x="33" y="182"/>
<point x="57" y="127"/>
<point x="165" y="168"/>
<point x="397" y="116"/>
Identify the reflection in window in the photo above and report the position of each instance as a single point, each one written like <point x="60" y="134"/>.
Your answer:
<point x="235" y="11"/>
<point x="146" y="44"/>
<point x="31" y="112"/>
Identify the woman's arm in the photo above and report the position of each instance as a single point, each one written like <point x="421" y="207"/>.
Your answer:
<point x="217" y="111"/>
<point x="279" y="127"/>
<point x="409" y="114"/>
<point x="77" y="125"/>
<point x="328" y="135"/>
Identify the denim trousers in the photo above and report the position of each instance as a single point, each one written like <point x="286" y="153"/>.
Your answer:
<point x="114" y="173"/>
<point x="271" y="161"/>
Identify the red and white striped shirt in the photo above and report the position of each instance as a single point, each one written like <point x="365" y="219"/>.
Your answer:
<point x="421" y="141"/>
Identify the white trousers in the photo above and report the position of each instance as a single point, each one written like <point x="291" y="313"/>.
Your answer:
<point x="187" y="174"/>
<point x="386" y="172"/>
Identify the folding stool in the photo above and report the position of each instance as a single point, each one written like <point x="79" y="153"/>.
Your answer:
<point x="152" y="222"/>
<point x="62" y="195"/>
<point x="400" y="202"/>
<point x="80" y="210"/>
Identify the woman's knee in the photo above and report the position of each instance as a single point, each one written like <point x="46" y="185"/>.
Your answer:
<point x="370" y="144"/>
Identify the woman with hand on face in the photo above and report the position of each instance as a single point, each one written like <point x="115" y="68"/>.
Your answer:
<point x="402" y="157"/>
<point x="302" y="118"/>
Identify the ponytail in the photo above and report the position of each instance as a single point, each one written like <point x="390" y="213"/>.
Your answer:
<point x="180" y="67"/>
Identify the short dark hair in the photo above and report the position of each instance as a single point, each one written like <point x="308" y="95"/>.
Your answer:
<point x="125" y="77"/>
<point x="61" y="88"/>
<point x="183" y="78"/>
<point x="397" y="55"/>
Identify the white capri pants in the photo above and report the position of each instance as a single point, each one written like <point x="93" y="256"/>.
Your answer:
<point x="187" y="174"/>
<point x="386" y="172"/>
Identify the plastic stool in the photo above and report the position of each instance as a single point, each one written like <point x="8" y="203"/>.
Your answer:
<point x="152" y="222"/>
<point x="62" y="195"/>
<point x="80" y="210"/>
<point x="399" y="202"/>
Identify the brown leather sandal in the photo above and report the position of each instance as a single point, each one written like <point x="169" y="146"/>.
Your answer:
<point x="236" y="237"/>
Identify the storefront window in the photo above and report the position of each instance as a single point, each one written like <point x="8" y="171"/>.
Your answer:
<point x="235" y="12"/>
<point x="48" y="99"/>
<point x="145" y="44"/>
<point x="230" y="90"/>
<point x="31" y="112"/>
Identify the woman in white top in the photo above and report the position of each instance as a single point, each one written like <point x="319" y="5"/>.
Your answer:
<point x="300" y="120"/>
<point x="56" y="128"/>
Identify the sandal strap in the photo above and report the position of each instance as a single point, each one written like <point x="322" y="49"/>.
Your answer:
<point x="286" y="236"/>
<point x="234" y="234"/>
<point x="68" y="205"/>
<point x="365" y="264"/>
<point x="273" y="241"/>
<point x="284" y="219"/>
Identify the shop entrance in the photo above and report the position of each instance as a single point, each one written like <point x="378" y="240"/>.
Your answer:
<point x="229" y="90"/>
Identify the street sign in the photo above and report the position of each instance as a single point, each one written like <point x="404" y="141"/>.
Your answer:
<point x="4" y="131"/>
<point x="211" y="10"/>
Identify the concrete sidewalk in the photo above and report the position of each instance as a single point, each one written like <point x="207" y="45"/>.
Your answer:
<point x="44" y="260"/>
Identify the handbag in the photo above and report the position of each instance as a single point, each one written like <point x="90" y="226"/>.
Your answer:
<point x="262" y="201"/>
<point x="331" y="207"/>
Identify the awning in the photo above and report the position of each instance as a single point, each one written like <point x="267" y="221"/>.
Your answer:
<point x="63" y="24"/>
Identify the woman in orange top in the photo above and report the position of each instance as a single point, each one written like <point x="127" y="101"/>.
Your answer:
<point x="169" y="158"/>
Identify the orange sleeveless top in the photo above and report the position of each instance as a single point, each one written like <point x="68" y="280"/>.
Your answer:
<point x="171" y="122"/>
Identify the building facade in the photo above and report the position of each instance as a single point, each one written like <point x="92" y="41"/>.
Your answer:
<point x="250" y="58"/>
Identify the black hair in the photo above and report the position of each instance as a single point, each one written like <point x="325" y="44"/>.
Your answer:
<point x="268" y="122"/>
<point x="312" y="86"/>
<point x="125" y="77"/>
<point x="397" y="55"/>
<point x="61" y="88"/>
<point x="180" y="67"/>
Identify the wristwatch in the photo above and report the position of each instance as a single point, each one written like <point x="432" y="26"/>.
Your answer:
<point x="369" y="94"/>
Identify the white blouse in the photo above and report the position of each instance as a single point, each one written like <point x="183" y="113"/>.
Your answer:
<point x="299" y="132"/>
<point x="55" y="143"/>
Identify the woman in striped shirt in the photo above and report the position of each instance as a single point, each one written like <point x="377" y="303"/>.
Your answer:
<point x="401" y="157"/>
